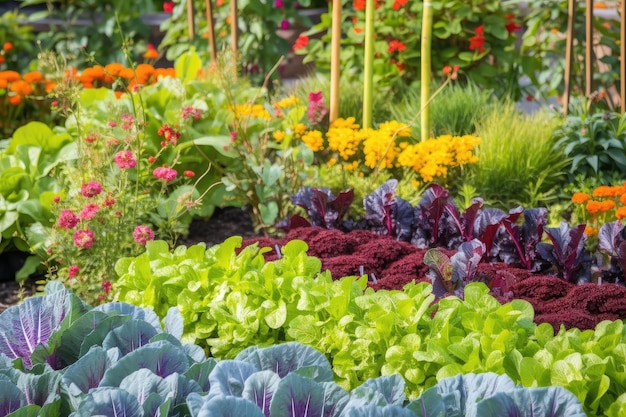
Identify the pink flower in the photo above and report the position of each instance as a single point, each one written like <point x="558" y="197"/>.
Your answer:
<point x="191" y="113"/>
<point x="108" y="201"/>
<point x="316" y="110"/>
<point x="284" y="24"/>
<point x="91" y="189"/>
<point x="279" y="4"/>
<point x="142" y="234"/>
<point x="112" y="123"/>
<point x="125" y="159"/>
<point x="106" y="286"/>
<point x="165" y="173"/>
<point x="84" y="238"/>
<point x="127" y="121"/>
<point x="68" y="220"/>
<point x="56" y="199"/>
<point x="170" y="134"/>
<point x="89" y="211"/>
<point x="72" y="271"/>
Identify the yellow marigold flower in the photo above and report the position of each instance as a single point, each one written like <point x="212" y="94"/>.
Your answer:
<point x="343" y="140"/>
<point x="314" y="140"/>
<point x="288" y="102"/>
<point x="331" y="162"/>
<point x="379" y="146"/>
<point x="620" y="213"/>
<point x="590" y="231"/>
<point x="394" y="126"/>
<point x="299" y="129"/>
<point x="279" y="135"/>
<point x="344" y="123"/>
<point x="415" y="183"/>
<point x="353" y="166"/>
<point x="580" y="198"/>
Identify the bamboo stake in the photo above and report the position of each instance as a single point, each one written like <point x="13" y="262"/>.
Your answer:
<point x="589" y="48"/>
<point x="427" y="30"/>
<point x="211" y="29"/>
<point x="190" y="19"/>
<point x="234" y="30"/>
<point x="335" y="60"/>
<point x="571" y="8"/>
<point x="368" y="70"/>
<point x="622" y="27"/>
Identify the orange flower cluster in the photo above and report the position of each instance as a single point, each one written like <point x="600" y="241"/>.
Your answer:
<point x="15" y="87"/>
<point x="142" y="74"/>
<point x="6" y="48"/>
<point x="605" y="204"/>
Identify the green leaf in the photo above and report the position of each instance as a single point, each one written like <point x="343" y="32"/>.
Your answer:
<point x="29" y="268"/>
<point x="276" y="314"/>
<point x="188" y="65"/>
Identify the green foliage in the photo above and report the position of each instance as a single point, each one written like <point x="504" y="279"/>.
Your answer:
<point x="518" y="162"/>
<point x="594" y="142"/>
<point x="18" y="54"/>
<point x="261" y="42"/>
<point x="97" y="27"/>
<point x="487" y="57"/>
<point x="27" y="187"/>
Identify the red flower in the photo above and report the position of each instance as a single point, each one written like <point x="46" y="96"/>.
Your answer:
<point x="168" y="6"/>
<point x="512" y="27"/>
<point x="478" y="41"/>
<point x="359" y="5"/>
<point x="301" y="42"/>
<point x="397" y="4"/>
<point x="396" y="45"/>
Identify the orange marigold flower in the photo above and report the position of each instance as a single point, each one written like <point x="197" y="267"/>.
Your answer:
<point x="590" y="231"/>
<point x="10" y="76"/>
<point x="151" y="53"/>
<point x="593" y="206"/>
<point x="114" y="68"/>
<point x="118" y="94"/>
<point x="580" y="198"/>
<point x="127" y="74"/>
<point x="607" y="205"/>
<point x="397" y="4"/>
<point x="7" y="46"/>
<point x="33" y="77"/>
<point x="15" y="100"/>
<point x="21" y="87"/>
<point x="603" y="191"/>
<point x="620" y="213"/>
<point x="3" y="83"/>
<point x="2" y="59"/>
<point x="50" y="86"/>
<point x="622" y="199"/>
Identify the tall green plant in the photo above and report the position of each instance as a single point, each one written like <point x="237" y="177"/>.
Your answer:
<point x="518" y="163"/>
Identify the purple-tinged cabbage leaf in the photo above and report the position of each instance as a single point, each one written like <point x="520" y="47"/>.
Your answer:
<point x="135" y="312"/>
<point x="228" y="378"/>
<point x="370" y="410"/>
<point x="42" y="390"/>
<point x="129" y="336"/>
<point x="200" y="372"/>
<point x="297" y="396"/>
<point x="612" y="243"/>
<point x="29" y="326"/>
<point x="86" y="373"/>
<point x="162" y="358"/>
<point x="228" y="406"/>
<point x="11" y="398"/>
<point x="531" y="402"/>
<point x="288" y="357"/>
<point x="459" y="394"/>
<point x="260" y="387"/>
<point x="567" y="252"/>
<point x="381" y="391"/>
<point x="109" y="401"/>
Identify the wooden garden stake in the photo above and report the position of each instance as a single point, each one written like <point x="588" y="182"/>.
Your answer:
<point x="335" y="60"/>
<point x="589" y="48"/>
<point x="234" y="31"/>
<point x="622" y="48"/>
<point x="190" y="19"/>
<point x="211" y="29"/>
<point x="368" y="70"/>
<point x="427" y="30"/>
<point x="569" y="44"/>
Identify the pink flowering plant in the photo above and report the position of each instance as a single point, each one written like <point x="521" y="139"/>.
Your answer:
<point x="129" y="184"/>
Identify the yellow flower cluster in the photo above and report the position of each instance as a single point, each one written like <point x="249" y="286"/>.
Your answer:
<point x="257" y="111"/>
<point x="605" y="204"/>
<point x="379" y="148"/>
<point x="432" y="158"/>
<point x="288" y="102"/>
